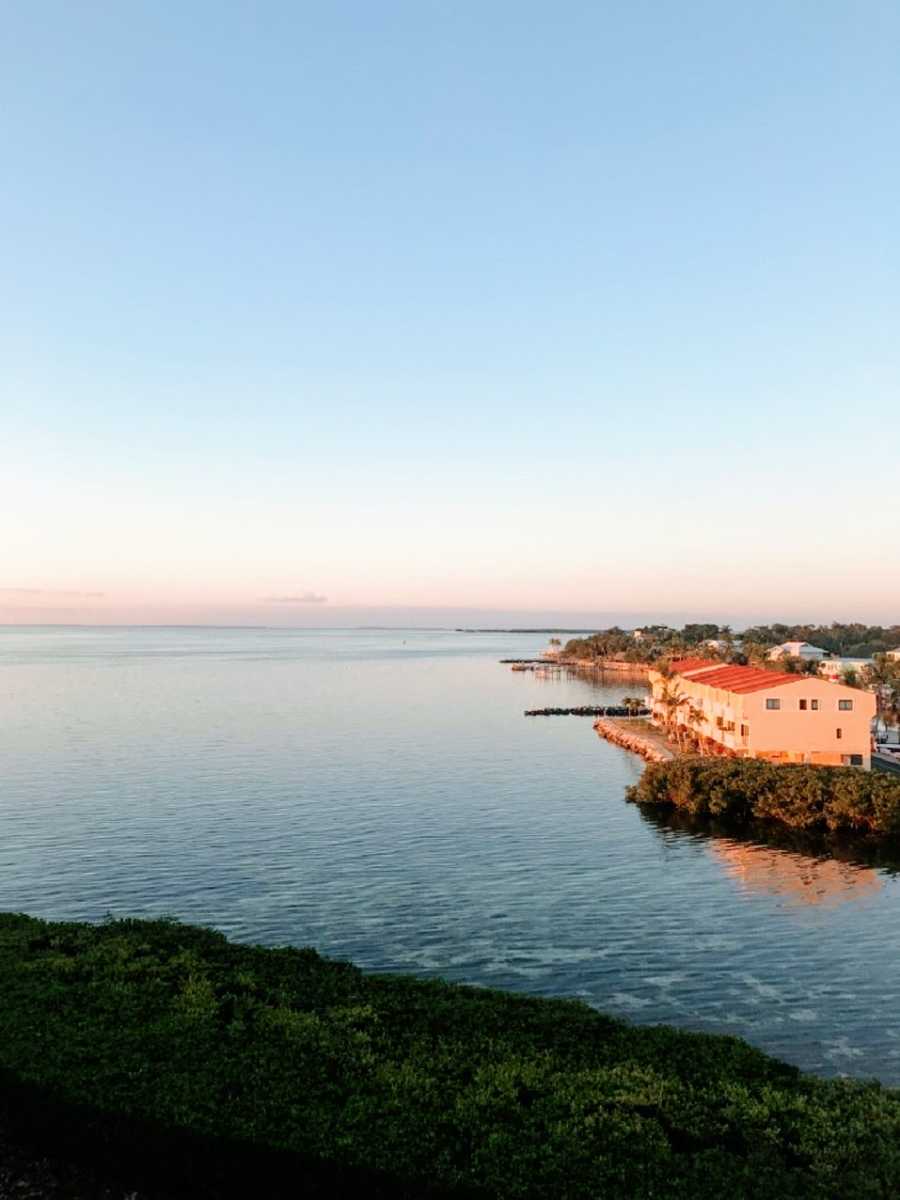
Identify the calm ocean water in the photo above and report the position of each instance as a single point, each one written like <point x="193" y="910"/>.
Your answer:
<point x="379" y="795"/>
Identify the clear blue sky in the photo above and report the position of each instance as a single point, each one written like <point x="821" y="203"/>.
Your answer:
<point x="505" y="306"/>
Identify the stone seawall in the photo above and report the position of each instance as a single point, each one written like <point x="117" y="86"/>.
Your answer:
<point x="648" y="746"/>
<point x="635" y="670"/>
<point x="601" y="665"/>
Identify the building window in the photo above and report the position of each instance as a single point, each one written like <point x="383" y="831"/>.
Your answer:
<point x="852" y="760"/>
<point x="840" y="733"/>
<point x="745" y="731"/>
<point x="803" y="706"/>
<point x="814" y="705"/>
<point x="845" y="705"/>
<point x="773" y="704"/>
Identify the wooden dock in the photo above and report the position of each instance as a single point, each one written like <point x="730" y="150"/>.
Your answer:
<point x="589" y="710"/>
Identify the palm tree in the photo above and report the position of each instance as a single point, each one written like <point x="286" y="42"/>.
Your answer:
<point x="882" y="676"/>
<point x="695" y="718"/>
<point x="888" y="713"/>
<point x="633" y="704"/>
<point x="756" y="653"/>
<point x="892" y="709"/>
<point x="689" y="726"/>
<point x="671" y="700"/>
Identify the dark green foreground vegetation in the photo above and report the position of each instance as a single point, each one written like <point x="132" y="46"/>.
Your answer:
<point x="164" y="1048"/>
<point x="826" y="799"/>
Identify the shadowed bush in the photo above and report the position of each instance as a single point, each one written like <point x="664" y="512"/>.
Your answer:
<point x="132" y="1033"/>
<point x="833" y="799"/>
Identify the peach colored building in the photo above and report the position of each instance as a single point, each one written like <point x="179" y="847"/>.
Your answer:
<point x="747" y="712"/>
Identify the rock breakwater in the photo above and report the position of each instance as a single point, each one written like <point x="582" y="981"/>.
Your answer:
<point x="648" y="746"/>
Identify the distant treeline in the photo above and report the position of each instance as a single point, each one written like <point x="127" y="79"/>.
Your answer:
<point x="653" y="642"/>
<point x="663" y="641"/>
<point x="851" y="641"/>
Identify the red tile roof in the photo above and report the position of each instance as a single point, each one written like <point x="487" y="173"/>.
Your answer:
<point x="740" y="679"/>
<point x="682" y="665"/>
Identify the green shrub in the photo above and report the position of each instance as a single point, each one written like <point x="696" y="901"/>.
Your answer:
<point x="836" y="799"/>
<point x="438" y="1088"/>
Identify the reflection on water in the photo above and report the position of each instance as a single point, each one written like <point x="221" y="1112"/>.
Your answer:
<point x="802" y="880"/>
<point x="856" y="853"/>
<point x="802" y="867"/>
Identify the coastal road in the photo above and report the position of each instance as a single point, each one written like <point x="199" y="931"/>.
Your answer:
<point x="882" y="763"/>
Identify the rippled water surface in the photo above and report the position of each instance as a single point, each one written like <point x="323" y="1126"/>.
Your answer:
<point x="380" y="796"/>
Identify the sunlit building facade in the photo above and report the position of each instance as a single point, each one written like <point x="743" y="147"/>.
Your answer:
<point x="748" y="712"/>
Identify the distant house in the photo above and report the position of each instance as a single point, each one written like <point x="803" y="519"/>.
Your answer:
<point x="804" y="650"/>
<point x="637" y="634"/>
<point x="748" y="712"/>
<point x="894" y="654"/>
<point x="721" y="644"/>
<point x="837" y="668"/>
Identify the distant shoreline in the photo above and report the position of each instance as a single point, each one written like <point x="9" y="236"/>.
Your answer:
<point x="276" y="628"/>
<point x="522" y="630"/>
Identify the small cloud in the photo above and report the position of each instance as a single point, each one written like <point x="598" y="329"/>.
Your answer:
<point x="22" y="591"/>
<point x="302" y="598"/>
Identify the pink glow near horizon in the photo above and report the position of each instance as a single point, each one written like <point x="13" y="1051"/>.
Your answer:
<point x="601" y="345"/>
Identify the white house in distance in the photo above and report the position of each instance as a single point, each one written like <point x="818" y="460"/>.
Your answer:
<point x="803" y="650"/>
<point x="836" y="668"/>
<point x="722" y="644"/>
<point x="894" y="654"/>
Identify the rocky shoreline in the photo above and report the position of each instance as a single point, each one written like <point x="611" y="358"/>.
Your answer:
<point x="651" y="748"/>
<point x="635" y="670"/>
